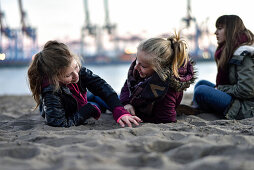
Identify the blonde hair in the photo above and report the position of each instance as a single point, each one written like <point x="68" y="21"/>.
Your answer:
<point x="166" y="55"/>
<point x="49" y="64"/>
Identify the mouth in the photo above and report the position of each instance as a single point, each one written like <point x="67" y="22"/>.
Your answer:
<point x="142" y="75"/>
<point x="75" y="81"/>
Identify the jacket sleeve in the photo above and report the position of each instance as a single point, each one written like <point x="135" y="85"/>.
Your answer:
<point x="125" y="94"/>
<point x="55" y="115"/>
<point x="165" y="110"/>
<point x="99" y="87"/>
<point x="244" y="87"/>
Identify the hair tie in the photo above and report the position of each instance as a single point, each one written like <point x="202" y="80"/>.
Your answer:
<point x="172" y="43"/>
<point x="40" y="54"/>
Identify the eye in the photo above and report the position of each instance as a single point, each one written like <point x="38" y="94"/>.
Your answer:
<point x="67" y="76"/>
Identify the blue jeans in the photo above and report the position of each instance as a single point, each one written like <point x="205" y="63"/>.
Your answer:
<point x="97" y="101"/>
<point x="207" y="98"/>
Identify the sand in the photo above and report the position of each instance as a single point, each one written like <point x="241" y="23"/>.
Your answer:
<point x="194" y="142"/>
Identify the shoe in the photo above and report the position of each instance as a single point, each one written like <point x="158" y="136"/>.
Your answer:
<point x="187" y="110"/>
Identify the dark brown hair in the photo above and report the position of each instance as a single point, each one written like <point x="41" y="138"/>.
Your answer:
<point x="234" y="30"/>
<point x="48" y="64"/>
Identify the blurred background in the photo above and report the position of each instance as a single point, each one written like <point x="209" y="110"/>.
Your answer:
<point x="105" y="33"/>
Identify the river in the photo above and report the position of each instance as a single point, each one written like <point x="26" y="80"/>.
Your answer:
<point x="13" y="81"/>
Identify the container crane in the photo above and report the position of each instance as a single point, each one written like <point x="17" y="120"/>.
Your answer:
<point x="188" y="20"/>
<point x="26" y="28"/>
<point x="108" y="25"/>
<point x="197" y="53"/>
<point x="5" y="30"/>
<point x="91" y="29"/>
<point x="111" y="28"/>
<point x="11" y="49"/>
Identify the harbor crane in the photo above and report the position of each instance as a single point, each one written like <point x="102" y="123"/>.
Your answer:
<point x="108" y="25"/>
<point x="88" y="27"/>
<point x="26" y="28"/>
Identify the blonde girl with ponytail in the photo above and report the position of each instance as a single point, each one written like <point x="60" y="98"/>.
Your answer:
<point x="157" y="78"/>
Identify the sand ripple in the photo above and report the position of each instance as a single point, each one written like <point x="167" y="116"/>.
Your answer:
<point x="193" y="143"/>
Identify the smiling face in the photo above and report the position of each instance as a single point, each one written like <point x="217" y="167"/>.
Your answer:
<point x="71" y="73"/>
<point x="220" y="34"/>
<point x="143" y="66"/>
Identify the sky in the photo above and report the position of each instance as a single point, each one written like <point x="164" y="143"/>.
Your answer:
<point x="63" y="19"/>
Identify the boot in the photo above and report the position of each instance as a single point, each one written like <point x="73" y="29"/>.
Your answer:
<point x="187" y="110"/>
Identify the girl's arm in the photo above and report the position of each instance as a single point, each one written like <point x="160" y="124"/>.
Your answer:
<point x="55" y="115"/>
<point x="101" y="88"/>
<point x="165" y="110"/>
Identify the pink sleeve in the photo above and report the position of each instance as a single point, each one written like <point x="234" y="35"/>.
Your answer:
<point x="119" y="112"/>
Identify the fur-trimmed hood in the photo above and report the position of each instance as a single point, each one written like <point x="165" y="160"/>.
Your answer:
<point x="244" y="49"/>
<point x="187" y="76"/>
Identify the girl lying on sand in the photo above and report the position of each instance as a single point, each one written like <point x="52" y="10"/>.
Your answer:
<point x="157" y="78"/>
<point x="59" y="86"/>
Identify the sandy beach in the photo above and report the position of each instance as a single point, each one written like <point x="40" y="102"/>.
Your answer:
<point x="193" y="143"/>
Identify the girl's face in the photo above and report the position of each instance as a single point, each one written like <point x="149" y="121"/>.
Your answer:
<point x="143" y="67"/>
<point x="71" y="73"/>
<point x="220" y="34"/>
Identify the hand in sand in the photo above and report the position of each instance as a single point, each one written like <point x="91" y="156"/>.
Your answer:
<point x="130" y="109"/>
<point x="128" y="119"/>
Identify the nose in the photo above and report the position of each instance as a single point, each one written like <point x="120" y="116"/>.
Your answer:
<point x="136" y="66"/>
<point x="75" y="74"/>
<point x="216" y="32"/>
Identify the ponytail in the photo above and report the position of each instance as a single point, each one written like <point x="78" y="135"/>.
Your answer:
<point x="166" y="55"/>
<point x="180" y="52"/>
<point x="35" y="79"/>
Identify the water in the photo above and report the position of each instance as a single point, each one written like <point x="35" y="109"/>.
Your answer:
<point x="13" y="81"/>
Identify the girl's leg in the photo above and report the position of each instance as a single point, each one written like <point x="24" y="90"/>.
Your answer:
<point x="210" y="99"/>
<point x="101" y="102"/>
<point x="204" y="82"/>
<point x="97" y="101"/>
<point x="199" y="83"/>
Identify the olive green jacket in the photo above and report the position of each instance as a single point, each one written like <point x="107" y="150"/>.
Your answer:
<point x="241" y="88"/>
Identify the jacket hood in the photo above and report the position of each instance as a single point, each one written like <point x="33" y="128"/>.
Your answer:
<point x="240" y="53"/>
<point x="187" y="76"/>
<point x="244" y="49"/>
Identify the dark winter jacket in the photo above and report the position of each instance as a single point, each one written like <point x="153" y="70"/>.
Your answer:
<point x="241" y="86"/>
<point x="60" y="108"/>
<point x="153" y="99"/>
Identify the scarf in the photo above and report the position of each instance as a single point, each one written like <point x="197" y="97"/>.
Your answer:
<point x="144" y="92"/>
<point x="80" y="98"/>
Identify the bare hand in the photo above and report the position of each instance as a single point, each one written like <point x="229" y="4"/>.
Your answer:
<point x="130" y="109"/>
<point x="128" y="119"/>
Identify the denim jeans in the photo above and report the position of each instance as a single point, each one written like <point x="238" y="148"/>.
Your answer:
<point x="97" y="101"/>
<point x="207" y="98"/>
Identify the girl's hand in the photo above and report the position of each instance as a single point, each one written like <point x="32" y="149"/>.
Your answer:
<point x="128" y="119"/>
<point x="130" y="109"/>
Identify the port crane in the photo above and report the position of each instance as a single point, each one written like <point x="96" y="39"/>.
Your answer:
<point x="88" y="28"/>
<point x="26" y="28"/>
<point x="11" y="47"/>
<point x="12" y="41"/>
<point x="96" y="31"/>
<point x="197" y="53"/>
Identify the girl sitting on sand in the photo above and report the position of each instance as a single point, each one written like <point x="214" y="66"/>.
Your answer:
<point x="157" y="78"/>
<point x="233" y="94"/>
<point x="59" y="85"/>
